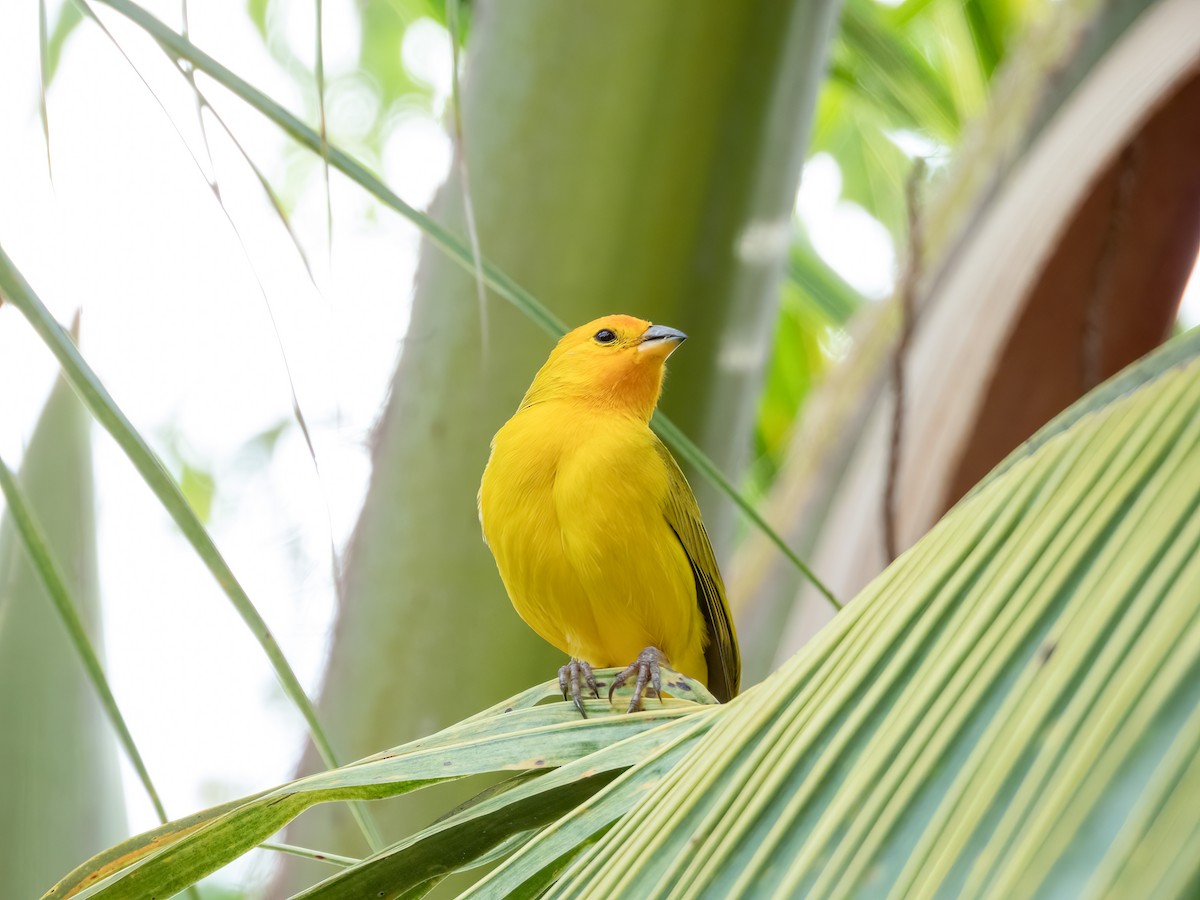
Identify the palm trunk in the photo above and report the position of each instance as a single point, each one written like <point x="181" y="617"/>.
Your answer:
<point x="623" y="157"/>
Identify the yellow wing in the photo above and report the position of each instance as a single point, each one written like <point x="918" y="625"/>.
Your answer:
<point x="683" y="515"/>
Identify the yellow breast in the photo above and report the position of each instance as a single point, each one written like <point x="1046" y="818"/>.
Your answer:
<point x="572" y="508"/>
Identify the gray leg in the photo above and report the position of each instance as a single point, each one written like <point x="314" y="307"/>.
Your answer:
<point x="646" y="668"/>
<point x="572" y="677"/>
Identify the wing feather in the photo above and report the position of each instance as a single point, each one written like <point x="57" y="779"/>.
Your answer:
<point x="683" y="515"/>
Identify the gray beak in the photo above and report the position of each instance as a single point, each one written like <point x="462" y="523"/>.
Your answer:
<point x="656" y="333"/>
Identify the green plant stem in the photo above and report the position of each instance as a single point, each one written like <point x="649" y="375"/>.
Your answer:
<point x="333" y="859"/>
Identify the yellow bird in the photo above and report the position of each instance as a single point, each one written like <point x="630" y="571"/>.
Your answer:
<point x="594" y="528"/>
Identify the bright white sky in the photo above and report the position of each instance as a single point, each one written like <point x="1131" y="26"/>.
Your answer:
<point x="177" y="327"/>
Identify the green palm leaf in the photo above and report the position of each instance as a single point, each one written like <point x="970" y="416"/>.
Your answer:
<point x="1005" y="711"/>
<point x="1010" y="709"/>
<point x="516" y="736"/>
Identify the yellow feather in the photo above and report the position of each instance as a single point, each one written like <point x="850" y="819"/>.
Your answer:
<point x="595" y="531"/>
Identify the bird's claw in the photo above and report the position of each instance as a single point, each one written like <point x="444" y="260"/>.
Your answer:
<point x="571" y="679"/>
<point x="647" y="668"/>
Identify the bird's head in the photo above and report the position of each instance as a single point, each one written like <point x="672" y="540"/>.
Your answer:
<point x="616" y="362"/>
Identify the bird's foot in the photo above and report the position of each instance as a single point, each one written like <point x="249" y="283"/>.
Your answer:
<point x="572" y="677"/>
<point x="647" y="668"/>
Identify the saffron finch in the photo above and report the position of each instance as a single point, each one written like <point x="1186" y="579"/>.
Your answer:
<point x="594" y="528"/>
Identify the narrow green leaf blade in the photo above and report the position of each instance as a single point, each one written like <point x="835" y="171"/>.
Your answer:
<point x="493" y="823"/>
<point x="541" y="738"/>
<point x="97" y="399"/>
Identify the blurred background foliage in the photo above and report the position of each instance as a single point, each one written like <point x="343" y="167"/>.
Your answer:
<point x="903" y="81"/>
<point x="55" y="740"/>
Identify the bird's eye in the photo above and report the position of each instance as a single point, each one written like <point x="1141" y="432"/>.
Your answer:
<point x="604" y="336"/>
